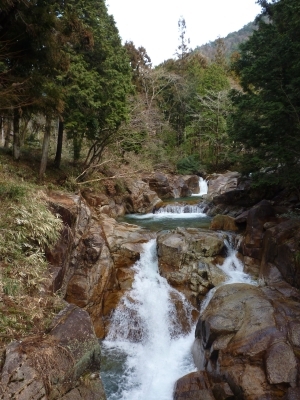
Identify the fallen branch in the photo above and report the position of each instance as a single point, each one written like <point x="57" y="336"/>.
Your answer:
<point x="106" y="178"/>
<point x="93" y="166"/>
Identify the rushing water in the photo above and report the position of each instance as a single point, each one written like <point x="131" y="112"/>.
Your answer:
<point x="234" y="269"/>
<point x="170" y="217"/>
<point x="145" y="351"/>
<point x="203" y="187"/>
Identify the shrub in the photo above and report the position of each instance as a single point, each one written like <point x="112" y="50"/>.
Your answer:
<point x="12" y="191"/>
<point x="189" y="165"/>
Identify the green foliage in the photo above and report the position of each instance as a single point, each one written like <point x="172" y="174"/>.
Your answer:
<point x="28" y="229"/>
<point x="265" y="124"/>
<point x="189" y="165"/>
<point x="12" y="191"/>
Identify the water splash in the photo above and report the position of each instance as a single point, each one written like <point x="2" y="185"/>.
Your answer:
<point x="176" y="209"/>
<point x="203" y="187"/>
<point x="233" y="268"/>
<point x="145" y="340"/>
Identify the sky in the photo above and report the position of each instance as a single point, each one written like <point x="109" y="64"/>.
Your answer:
<point x="153" y="24"/>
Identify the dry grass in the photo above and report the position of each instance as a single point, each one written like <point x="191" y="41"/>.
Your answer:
<point x="27" y="227"/>
<point x="53" y="362"/>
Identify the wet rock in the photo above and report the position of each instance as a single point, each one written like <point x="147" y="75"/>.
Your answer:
<point x="181" y="187"/>
<point x="89" y="263"/>
<point x="224" y="223"/>
<point x="98" y="277"/>
<point x="192" y="183"/>
<point x="188" y="259"/>
<point x="251" y="266"/>
<point x="222" y="391"/>
<point x="193" y="386"/>
<point x="125" y="241"/>
<point x="242" y="218"/>
<point x="245" y="338"/>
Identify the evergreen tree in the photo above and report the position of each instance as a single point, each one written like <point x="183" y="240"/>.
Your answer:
<point x="98" y="83"/>
<point x="266" y="123"/>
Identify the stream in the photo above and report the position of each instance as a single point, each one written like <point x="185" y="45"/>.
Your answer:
<point x="146" y="351"/>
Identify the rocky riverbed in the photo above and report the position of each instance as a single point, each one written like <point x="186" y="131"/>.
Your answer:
<point x="246" y="341"/>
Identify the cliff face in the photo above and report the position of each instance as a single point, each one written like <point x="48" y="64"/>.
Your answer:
<point x="92" y="263"/>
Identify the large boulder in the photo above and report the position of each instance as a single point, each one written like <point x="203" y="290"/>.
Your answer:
<point x="281" y="253"/>
<point x="224" y="223"/>
<point x="141" y="197"/>
<point x="222" y="183"/>
<point x="184" y="185"/>
<point x="65" y="361"/>
<point x="159" y="183"/>
<point x="172" y="186"/>
<point x="257" y="217"/>
<point x="188" y="259"/>
<point x="193" y="386"/>
<point x="113" y="206"/>
<point x="248" y="337"/>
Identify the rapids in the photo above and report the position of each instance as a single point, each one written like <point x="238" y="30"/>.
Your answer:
<point x="145" y="349"/>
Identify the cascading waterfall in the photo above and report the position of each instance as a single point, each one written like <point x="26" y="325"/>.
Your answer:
<point x="145" y="344"/>
<point x="233" y="268"/>
<point x="176" y="209"/>
<point x="203" y="187"/>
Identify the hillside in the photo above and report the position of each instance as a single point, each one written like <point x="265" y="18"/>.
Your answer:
<point x="231" y="41"/>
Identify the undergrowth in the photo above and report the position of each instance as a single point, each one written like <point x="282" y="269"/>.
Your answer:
<point x="27" y="228"/>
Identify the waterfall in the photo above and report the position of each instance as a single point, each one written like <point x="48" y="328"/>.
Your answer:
<point x="176" y="209"/>
<point x="203" y="187"/>
<point x="233" y="268"/>
<point x="145" y="343"/>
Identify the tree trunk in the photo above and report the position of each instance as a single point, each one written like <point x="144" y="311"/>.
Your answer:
<point x="7" y="133"/>
<point x="45" y="148"/>
<point x="77" y="143"/>
<point x="60" y="136"/>
<point x="2" y="130"/>
<point x="17" y="144"/>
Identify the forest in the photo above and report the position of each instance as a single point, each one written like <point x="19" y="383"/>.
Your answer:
<point x="72" y="94"/>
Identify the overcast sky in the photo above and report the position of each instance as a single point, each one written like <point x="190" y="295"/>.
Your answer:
<point x="154" y="23"/>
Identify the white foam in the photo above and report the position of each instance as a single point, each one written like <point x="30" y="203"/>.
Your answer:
<point x="145" y="328"/>
<point x="203" y="187"/>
